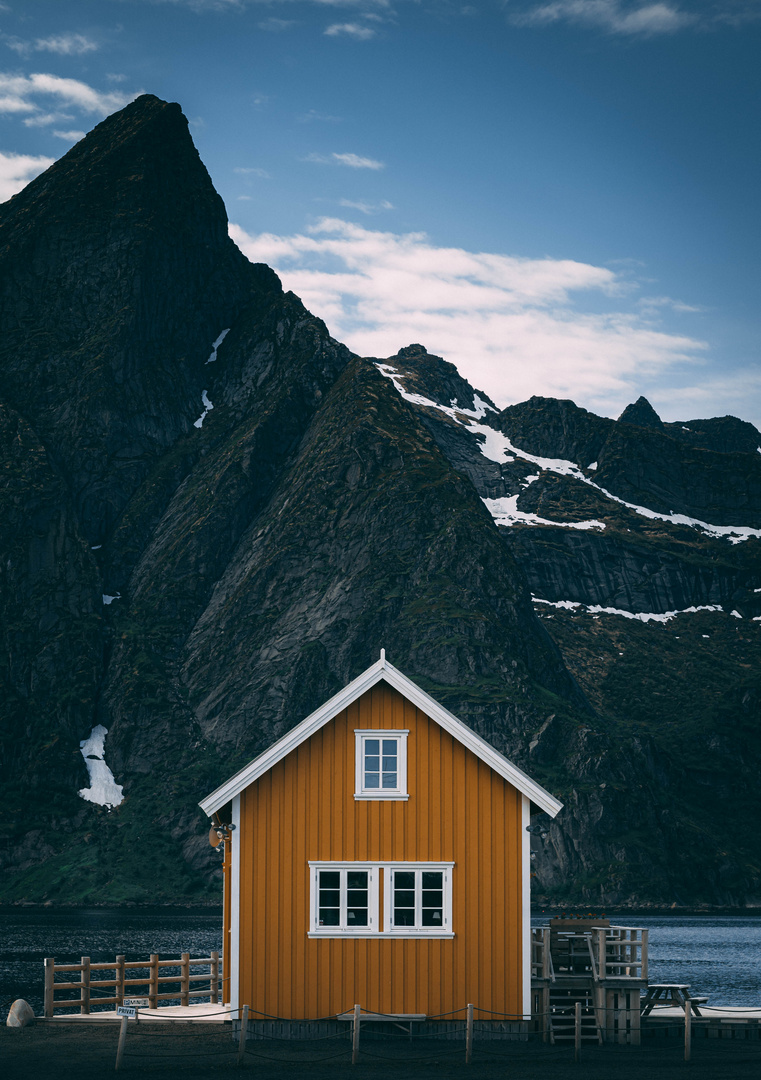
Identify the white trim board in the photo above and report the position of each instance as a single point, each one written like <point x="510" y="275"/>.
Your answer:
<point x="381" y="670"/>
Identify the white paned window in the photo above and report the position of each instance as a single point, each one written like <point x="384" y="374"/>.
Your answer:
<point x="344" y="899"/>
<point x="417" y="899"/>
<point x="381" y="764"/>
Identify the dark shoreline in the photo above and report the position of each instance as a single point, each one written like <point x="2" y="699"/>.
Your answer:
<point x="569" y="910"/>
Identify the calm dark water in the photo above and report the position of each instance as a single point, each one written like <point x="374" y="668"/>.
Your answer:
<point x="27" y="936"/>
<point x="718" y="956"/>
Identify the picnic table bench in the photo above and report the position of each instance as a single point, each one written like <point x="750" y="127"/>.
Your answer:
<point x="674" y="995"/>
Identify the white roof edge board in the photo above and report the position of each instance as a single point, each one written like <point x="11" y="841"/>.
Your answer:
<point x="381" y="669"/>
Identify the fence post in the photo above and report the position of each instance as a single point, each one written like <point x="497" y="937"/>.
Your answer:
<point x="120" y="1045"/>
<point x="355" y="1035"/>
<point x="214" y="979"/>
<point x="185" y="979"/>
<point x="49" y="976"/>
<point x="469" y="1036"/>
<point x="153" y="981"/>
<point x="119" y="976"/>
<point x="84" y="980"/>
<point x="243" y="1035"/>
<point x="645" y="936"/>
<point x="687" y="1030"/>
<point x="577" y="1032"/>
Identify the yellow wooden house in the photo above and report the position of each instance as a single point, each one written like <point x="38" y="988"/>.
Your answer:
<point x="379" y="854"/>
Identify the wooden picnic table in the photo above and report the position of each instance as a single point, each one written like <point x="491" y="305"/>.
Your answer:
<point x="674" y="995"/>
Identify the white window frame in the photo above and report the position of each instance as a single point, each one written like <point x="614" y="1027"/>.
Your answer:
<point x="344" y="930"/>
<point x="400" y="791"/>
<point x="445" y="931"/>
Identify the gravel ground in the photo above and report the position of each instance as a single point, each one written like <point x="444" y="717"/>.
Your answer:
<point x="88" y="1052"/>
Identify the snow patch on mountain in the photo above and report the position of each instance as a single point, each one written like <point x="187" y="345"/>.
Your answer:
<point x="103" y="789"/>
<point x="641" y="616"/>
<point x="207" y="407"/>
<point x="497" y="447"/>
<point x="505" y="512"/>
<point x="216" y="344"/>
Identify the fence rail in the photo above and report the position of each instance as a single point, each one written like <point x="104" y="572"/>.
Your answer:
<point x="93" y="992"/>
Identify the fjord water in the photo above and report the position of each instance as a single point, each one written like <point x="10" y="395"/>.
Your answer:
<point x="718" y="956"/>
<point x="28" y="935"/>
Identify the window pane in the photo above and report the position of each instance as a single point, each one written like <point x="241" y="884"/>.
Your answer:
<point x="389" y="779"/>
<point x="404" y="916"/>
<point x="389" y="764"/>
<point x="404" y="898"/>
<point x="357" y="917"/>
<point x="432" y="898"/>
<point x="357" y="898"/>
<point x="372" y="763"/>
<point x="330" y="879"/>
<point x="356" y="879"/>
<point x="372" y="746"/>
<point x="330" y="898"/>
<point x="433" y="879"/>
<point x="432" y="916"/>
<point x="372" y="780"/>
<point x="405" y="879"/>
<point x="329" y="916"/>
<point x="389" y="746"/>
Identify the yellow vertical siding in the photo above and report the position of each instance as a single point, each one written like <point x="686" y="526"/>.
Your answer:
<point x="303" y="809"/>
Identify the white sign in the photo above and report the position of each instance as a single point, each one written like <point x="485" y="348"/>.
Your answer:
<point x="125" y="1010"/>
<point x="140" y="1003"/>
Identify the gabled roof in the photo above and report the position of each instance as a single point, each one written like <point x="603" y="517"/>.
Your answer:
<point x="381" y="671"/>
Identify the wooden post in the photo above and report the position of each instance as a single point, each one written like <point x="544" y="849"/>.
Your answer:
<point x="49" y="978"/>
<point x="545" y="952"/>
<point x="84" y="979"/>
<point x="355" y="1035"/>
<point x="214" y="979"/>
<point x="153" y="982"/>
<point x="185" y="979"/>
<point x="119" y="976"/>
<point x="577" y="1032"/>
<point x="120" y="1045"/>
<point x="645" y="936"/>
<point x="687" y="1030"/>
<point x="243" y="1035"/>
<point x="469" y="1036"/>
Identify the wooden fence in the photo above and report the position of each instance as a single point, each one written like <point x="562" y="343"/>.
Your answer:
<point x="130" y="981"/>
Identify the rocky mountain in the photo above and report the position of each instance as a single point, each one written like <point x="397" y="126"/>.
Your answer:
<point x="215" y="515"/>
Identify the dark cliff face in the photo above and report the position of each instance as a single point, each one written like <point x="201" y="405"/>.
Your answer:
<point x="257" y="562"/>
<point x="117" y="275"/>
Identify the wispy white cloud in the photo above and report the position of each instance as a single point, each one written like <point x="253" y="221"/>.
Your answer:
<point x="365" y="207"/>
<point x="351" y="29"/>
<point x="69" y="136"/>
<point x="68" y="44"/>
<point x="614" y="16"/>
<point x="21" y="94"/>
<point x="313" y="116"/>
<point x="16" y="170"/>
<point x="274" y="25"/>
<point x="353" y="161"/>
<point x="513" y="326"/>
<point x="262" y="174"/>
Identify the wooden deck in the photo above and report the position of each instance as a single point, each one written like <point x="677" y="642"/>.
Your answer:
<point x="202" y="1013"/>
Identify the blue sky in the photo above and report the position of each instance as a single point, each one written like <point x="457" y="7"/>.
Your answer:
<point x="560" y="196"/>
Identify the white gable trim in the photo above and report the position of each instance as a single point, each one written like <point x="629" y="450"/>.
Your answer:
<point x="381" y="671"/>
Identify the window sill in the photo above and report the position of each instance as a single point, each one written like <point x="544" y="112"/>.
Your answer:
<point x="379" y="935"/>
<point x="418" y="934"/>
<point x="333" y="933"/>
<point x="382" y="796"/>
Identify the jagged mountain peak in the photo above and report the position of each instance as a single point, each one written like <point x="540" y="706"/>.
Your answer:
<point x="436" y="379"/>
<point x="642" y="414"/>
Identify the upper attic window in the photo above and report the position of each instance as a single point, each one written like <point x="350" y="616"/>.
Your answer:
<point x="381" y="764"/>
